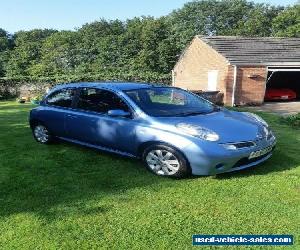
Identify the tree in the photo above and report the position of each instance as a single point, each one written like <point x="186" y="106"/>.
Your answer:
<point x="90" y="35"/>
<point x="287" y="23"/>
<point x="59" y="55"/>
<point x="153" y="33"/>
<point x="227" y="17"/>
<point x="26" y="51"/>
<point x="143" y="46"/>
<point x="258" y="21"/>
<point x="5" y="46"/>
<point x="207" y="17"/>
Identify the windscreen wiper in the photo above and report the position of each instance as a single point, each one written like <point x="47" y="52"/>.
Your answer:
<point x="191" y="113"/>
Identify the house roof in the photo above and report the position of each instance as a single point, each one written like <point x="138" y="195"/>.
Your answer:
<point x="256" y="50"/>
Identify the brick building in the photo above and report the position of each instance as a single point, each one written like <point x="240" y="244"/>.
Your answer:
<point x="242" y="68"/>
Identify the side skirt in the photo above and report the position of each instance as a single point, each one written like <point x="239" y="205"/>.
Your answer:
<point x="98" y="147"/>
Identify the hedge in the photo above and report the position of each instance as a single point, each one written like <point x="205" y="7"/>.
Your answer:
<point x="9" y="87"/>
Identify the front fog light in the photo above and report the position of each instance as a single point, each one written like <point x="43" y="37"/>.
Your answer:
<point x="229" y="146"/>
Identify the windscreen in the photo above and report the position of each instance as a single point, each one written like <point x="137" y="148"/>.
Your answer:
<point x="167" y="101"/>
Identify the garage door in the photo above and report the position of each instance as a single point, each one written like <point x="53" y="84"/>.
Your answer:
<point x="283" y="84"/>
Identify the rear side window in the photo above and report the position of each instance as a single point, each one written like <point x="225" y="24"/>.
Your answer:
<point x="61" y="98"/>
<point x="99" y="100"/>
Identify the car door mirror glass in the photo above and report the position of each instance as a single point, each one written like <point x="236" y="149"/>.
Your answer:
<point x="118" y="113"/>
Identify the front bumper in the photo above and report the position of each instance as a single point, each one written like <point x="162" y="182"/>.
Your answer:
<point x="213" y="158"/>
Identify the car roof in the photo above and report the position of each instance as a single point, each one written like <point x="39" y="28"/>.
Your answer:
<point x="110" y="85"/>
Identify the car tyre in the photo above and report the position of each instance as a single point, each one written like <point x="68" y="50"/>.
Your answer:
<point x="41" y="134"/>
<point x="166" y="161"/>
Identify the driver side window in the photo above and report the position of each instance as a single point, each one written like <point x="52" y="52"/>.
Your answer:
<point x="99" y="100"/>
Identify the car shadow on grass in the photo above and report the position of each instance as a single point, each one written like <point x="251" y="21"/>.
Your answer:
<point x="68" y="177"/>
<point x="56" y="180"/>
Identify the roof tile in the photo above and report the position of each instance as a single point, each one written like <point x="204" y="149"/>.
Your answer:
<point x="256" y="50"/>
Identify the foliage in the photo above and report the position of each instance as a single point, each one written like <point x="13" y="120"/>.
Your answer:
<point x="134" y="76"/>
<point x="37" y="98"/>
<point x="259" y="21"/>
<point x="9" y="88"/>
<point x="26" y="52"/>
<point x="142" y="49"/>
<point x="287" y="23"/>
<point x="227" y="17"/>
<point x="5" y="45"/>
<point x="292" y="120"/>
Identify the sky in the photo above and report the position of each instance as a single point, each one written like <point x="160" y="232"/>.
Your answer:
<point x="69" y="14"/>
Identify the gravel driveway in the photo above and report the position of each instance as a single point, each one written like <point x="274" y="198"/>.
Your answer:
<point x="281" y="108"/>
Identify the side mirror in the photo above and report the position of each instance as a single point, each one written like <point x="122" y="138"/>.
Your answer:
<point x="118" y="113"/>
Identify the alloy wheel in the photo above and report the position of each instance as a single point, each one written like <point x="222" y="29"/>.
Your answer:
<point x="41" y="134"/>
<point x="162" y="162"/>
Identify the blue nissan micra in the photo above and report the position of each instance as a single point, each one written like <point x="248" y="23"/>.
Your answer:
<point x="175" y="132"/>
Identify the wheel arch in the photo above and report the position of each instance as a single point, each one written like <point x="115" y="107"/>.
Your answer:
<point x="34" y="122"/>
<point x="147" y="144"/>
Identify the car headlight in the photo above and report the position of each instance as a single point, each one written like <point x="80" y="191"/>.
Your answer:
<point x="197" y="131"/>
<point x="257" y="118"/>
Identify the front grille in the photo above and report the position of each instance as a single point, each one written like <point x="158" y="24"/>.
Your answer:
<point x="239" y="145"/>
<point x="246" y="160"/>
<point x="270" y="136"/>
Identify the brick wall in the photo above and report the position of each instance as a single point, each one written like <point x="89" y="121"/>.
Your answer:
<point x="250" y="88"/>
<point x="23" y="90"/>
<point x="32" y="90"/>
<point x="191" y="71"/>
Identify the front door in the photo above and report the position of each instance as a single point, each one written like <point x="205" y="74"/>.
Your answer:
<point x="212" y="80"/>
<point x="57" y="106"/>
<point x="89" y="121"/>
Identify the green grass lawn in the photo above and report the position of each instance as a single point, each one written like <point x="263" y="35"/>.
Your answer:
<point x="65" y="196"/>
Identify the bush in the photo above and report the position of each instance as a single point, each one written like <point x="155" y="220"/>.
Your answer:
<point x="10" y="87"/>
<point x="292" y="120"/>
<point x="133" y="76"/>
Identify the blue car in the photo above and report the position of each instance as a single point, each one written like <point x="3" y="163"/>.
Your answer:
<point x="176" y="133"/>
